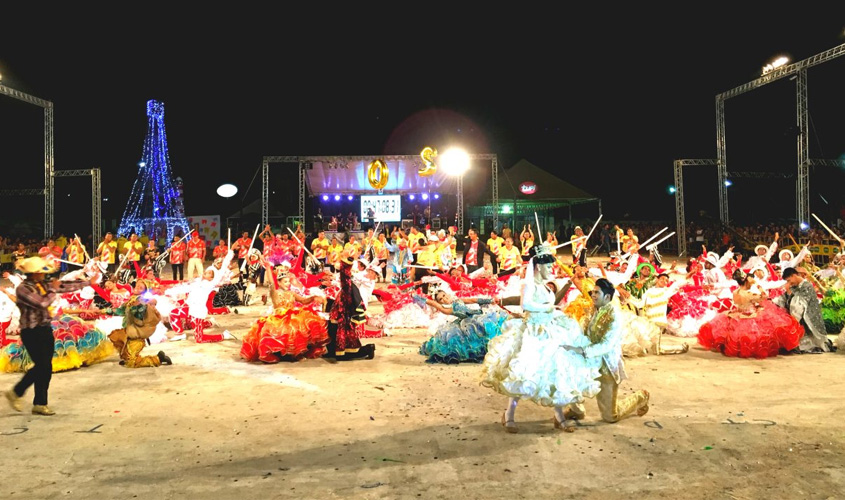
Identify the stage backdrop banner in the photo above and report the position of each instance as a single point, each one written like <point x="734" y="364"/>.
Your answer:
<point x="351" y="178"/>
<point x="209" y="227"/>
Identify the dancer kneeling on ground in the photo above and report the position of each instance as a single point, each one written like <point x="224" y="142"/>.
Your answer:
<point x="604" y="354"/>
<point x="140" y="318"/>
<point x="347" y="317"/>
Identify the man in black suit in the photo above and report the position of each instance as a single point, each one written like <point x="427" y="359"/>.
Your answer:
<point x="474" y="250"/>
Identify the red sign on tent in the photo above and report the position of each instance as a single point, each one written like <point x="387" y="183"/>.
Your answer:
<point x="528" y="187"/>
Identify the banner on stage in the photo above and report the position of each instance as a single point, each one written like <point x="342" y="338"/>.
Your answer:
<point x="208" y="226"/>
<point x="388" y="207"/>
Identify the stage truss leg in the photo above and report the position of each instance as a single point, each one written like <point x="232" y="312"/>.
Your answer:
<point x="802" y="199"/>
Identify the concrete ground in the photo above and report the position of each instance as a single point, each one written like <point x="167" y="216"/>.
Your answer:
<point x="213" y="426"/>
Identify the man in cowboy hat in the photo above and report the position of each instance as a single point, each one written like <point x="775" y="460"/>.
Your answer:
<point x="33" y="297"/>
<point x="762" y="255"/>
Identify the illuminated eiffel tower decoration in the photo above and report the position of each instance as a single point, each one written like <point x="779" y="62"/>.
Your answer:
<point x="154" y="206"/>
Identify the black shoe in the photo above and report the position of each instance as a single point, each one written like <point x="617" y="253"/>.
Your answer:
<point x="371" y="351"/>
<point x="164" y="358"/>
<point x="122" y="362"/>
<point x="330" y="359"/>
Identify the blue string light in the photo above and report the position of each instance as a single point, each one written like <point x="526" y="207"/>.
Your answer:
<point x="155" y="200"/>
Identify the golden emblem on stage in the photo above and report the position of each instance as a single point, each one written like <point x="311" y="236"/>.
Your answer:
<point x="427" y="154"/>
<point x="377" y="174"/>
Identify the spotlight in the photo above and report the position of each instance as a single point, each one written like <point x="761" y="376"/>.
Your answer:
<point x="425" y="196"/>
<point x="337" y="197"/>
<point x="728" y="183"/>
<point x="325" y="197"/>
<point x="350" y="197"/>
<point x="436" y="196"/>
<point x="804" y="226"/>
<point x="455" y="162"/>
<point x="671" y="189"/>
<point x="411" y="197"/>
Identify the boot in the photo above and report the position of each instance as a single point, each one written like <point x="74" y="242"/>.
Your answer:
<point x="164" y="358"/>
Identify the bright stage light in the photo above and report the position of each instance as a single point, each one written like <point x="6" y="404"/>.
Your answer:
<point x="671" y="189"/>
<point x="728" y="183"/>
<point x="325" y="197"/>
<point x="777" y="63"/>
<point x="425" y="196"/>
<point x="804" y="226"/>
<point x="227" y="190"/>
<point x="350" y="197"/>
<point x="411" y="197"/>
<point x="506" y="209"/>
<point x="142" y="164"/>
<point x="436" y="196"/>
<point x="455" y="161"/>
<point x="337" y="197"/>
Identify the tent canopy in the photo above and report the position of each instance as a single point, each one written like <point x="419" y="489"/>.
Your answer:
<point x="524" y="175"/>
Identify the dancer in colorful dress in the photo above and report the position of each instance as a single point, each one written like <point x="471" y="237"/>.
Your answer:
<point x="540" y="357"/>
<point x="292" y="332"/>
<point x="464" y="339"/>
<point x="754" y="327"/>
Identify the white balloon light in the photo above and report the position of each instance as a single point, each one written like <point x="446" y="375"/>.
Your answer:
<point x="227" y="190"/>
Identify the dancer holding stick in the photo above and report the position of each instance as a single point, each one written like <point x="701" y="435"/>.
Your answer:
<point x="251" y="244"/>
<point x="580" y="255"/>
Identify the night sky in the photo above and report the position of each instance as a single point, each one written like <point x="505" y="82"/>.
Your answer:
<point x="604" y="105"/>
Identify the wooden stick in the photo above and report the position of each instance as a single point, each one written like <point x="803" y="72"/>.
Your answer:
<point x="828" y="229"/>
<point x="569" y="242"/>
<point x="643" y="244"/>
<point x="87" y="257"/>
<point x="301" y="243"/>
<point x="654" y="245"/>
<point x="68" y="262"/>
<point x="166" y="252"/>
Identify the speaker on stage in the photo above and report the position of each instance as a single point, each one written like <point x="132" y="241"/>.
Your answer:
<point x="435" y="223"/>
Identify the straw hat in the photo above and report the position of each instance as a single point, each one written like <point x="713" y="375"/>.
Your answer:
<point x="33" y="265"/>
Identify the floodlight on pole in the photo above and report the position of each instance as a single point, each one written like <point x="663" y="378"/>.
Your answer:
<point x="455" y="161"/>
<point x="777" y="63"/>
<point x="227" y="190"/>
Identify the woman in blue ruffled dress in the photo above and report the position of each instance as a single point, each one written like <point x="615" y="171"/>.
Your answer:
<point x="464" y="339"/>
<point x="540" y="356"/>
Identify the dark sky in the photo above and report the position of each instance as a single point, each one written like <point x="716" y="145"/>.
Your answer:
<point x="605" y="105"/>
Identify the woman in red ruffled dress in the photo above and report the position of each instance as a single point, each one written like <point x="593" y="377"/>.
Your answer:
<point x="292" y="332"/>
<point x="755" y="327"/>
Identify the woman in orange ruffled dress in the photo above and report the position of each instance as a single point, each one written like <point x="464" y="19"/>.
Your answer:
<point x="755" y="327"/>
<point x="292" y="332"/>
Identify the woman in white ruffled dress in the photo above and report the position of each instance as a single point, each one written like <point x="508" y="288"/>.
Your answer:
<point x="540" y="356"/>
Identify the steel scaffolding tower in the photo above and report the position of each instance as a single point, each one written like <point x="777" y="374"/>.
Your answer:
<point x="48" y="155"/>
